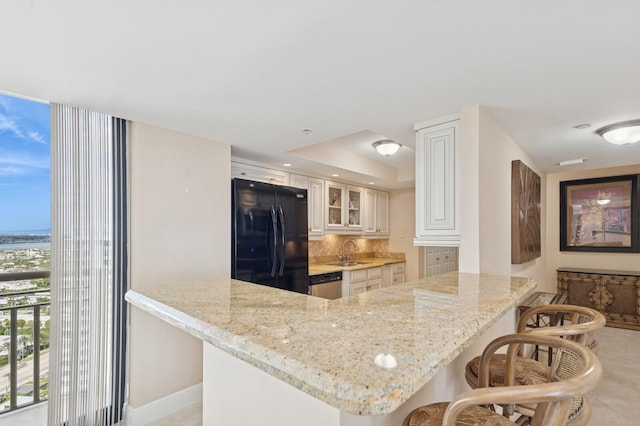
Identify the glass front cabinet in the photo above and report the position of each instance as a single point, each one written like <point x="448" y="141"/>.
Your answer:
<point x="344" y="207"/>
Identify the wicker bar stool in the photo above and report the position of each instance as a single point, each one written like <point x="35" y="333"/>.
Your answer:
<point x="551" y="400"/>
<point x="584" y="322"/>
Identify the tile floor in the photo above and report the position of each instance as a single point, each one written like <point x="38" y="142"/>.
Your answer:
<point x="614" y="402"/>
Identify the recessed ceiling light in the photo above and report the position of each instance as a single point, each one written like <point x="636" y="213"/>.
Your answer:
<point x="582" y="126"/>
<point x="371" y="182"/>
<point x="286" y="164"/>
<point x="335" y="175"/>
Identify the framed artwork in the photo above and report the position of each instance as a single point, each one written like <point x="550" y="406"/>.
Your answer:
<point x="600" y="214"/>
<point x="525" y="213"/>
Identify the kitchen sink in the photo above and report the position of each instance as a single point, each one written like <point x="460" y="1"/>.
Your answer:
<point x="347" y="263"/>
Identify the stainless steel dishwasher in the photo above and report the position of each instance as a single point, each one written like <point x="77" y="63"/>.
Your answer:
<point x="327" y="286"/>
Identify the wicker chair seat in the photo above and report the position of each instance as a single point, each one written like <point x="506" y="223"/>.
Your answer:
<point x="527" y="372"/>
<point x="432" y="415"/>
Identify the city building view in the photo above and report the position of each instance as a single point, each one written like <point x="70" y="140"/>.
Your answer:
<point x="25" y="252"/>
<point x="22" y="297"/>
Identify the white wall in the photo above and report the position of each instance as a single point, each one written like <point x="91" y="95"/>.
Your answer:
<point x="486" y="155"/>
<point x="402" y="208"/>
<point x="595" y="260"/>
<point x="469" y="252"/>
<point x="180" y="231"/>
<point x="497" y="151"/>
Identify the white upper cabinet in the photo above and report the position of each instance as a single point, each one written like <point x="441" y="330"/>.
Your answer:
<point x="258" y="174"/>
<point x="299" y="181"/>
<point x="315" y="202"/>
<point x="333" y="207"/>
<point x="315" y="195"/>
<point x="344" y="207"/>
<point x="437" y="183"/>
<point x="376" y="212"/>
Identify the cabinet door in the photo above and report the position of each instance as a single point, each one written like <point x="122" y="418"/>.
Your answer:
<point x="578" y="288"/>
<point x="434" y="260"/>
<point x="399" y="273"/>
<point x="315" y="197"/>
<point x="299" y="181"/>
<point x="382" y="212"/>
<point x="619" y="295"/>
<point x="354" y="202"/>
<point x="398" y="278"/>
<point x="370" y="210"/>
<point x="387" y="276"/>
<point x="374" y="284"/>
<point x="437" y="185"/>
<point x="334" y="198"/>
<point x="358" y="288"/>
<point x="450" y="262"/>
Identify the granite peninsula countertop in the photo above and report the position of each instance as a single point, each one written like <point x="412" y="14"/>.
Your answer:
<point x="327" y="348"/>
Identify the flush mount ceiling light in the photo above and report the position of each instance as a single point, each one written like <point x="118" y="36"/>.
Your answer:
<point x="386" y="147"/>
<point x="622" y="133"/>
<point x="571" y="162"/>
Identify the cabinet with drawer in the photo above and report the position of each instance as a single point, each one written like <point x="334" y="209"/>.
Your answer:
<point x="362" y="280"/>
<point x="398" y="273"/>
<point x="614" y="293"/>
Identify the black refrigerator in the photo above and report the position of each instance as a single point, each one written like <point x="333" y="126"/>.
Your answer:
<point x="269" y="243"/>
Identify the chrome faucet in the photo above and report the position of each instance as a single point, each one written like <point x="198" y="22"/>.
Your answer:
<point x="345" y="257"/>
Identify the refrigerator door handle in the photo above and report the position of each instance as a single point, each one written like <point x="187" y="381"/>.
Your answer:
<point x="282" y="235"/>
<point x="274" y="262"/>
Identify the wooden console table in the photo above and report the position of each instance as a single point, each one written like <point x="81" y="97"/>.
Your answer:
<point x="614" y="293"/>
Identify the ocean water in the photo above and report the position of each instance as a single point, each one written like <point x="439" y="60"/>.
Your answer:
<point x="25" y="240"/>
<point x="23" y="246"/>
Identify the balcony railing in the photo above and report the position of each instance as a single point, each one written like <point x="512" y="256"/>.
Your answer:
<point x="30" y="302"/>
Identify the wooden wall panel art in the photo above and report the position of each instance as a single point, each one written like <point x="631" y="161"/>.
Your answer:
<point x="525" y="213"/>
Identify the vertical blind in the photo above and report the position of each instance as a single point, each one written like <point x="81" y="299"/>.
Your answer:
<point x="88" y="267"/>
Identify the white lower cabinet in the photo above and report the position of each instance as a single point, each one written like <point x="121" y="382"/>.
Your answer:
<point x="387" y="275"/>
<point x="361" y="281"/>
<point x="399" y="273"/>
<point x="440" y="260"/>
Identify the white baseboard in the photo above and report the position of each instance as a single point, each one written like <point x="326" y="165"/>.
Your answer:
<point x="153" y="411"/>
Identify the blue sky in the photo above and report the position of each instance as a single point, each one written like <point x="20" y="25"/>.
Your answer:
<point x="25" y="196"/>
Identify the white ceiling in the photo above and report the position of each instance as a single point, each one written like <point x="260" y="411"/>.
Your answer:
<point x="254" y="74"/>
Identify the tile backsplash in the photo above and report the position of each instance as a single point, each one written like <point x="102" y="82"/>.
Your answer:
<point x="331" y="245"/>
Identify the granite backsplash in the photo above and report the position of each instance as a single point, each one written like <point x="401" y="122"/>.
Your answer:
<point x="330" y="247"/>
